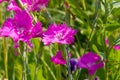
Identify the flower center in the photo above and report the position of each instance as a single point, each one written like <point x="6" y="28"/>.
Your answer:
<point x="58" y="36"/>
<point x="90" y="64"/>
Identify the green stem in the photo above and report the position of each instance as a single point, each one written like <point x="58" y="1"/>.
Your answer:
<point x="49" y="15"/>
<point x="5" y="57"/>
<point x="24" y="67"/>
<point x="106" y="51"/>
<point x="2" y="17"/>
<point x="48" y="68"/>
<point x="19" y="3"/>
<point x="68" y="63"/>
<point x="36" y="67"/>
<point x="23" y="56"/>
<point x="37" y="57"/>
<point x="79" y="72"/>
<point x="93" y="24"/>
<point x="107" y="54"/>
<point x="67" y="51"/>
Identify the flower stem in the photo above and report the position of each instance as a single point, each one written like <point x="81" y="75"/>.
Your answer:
<point x="68" y="63"/>
<point x="5" y="57"/>
<point x="79" y="72"/>
<point x="36" y="66"/>
<point x="2" y="17"/>
<point x="24" y="67"/>
<point x="107" y="51"/>
<point x="23" y="56"/>
<point x="49" y="15"/>
<point x="48" y="68"/>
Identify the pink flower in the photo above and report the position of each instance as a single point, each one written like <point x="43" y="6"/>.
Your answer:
<point x="116" y="47"/>
<point x="60" y="33"/>
<point x="91" y="61"/>
<point x="13" y="6"/>
<point x="21" y="28"/>
<point x="58" y="58"/>
<point x="39" y="4"/>
<point x="107" y="42"/>
<point x="31" y="5"/>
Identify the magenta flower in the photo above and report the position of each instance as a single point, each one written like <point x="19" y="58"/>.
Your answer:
<point x="116" y="47"/>
<point x="60" y="33"/>
<point x="21" y="28"/>
<point x="58" y="59"/>
<point x="39" y="4"/>
<point x="107" y="42"/>
<point x="31" y="5"/>
<point x="13" y="6"/>
<point x="90" y="61"/>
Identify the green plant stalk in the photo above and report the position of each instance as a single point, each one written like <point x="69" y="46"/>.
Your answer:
<point x="79" y="72"/>
<point x="107" y="54"/>
<point x="37" y="56"/>
<point x="2" y="11"/>
<point x="53" y="75"/>
<point x="1" y="20"/>
<point x="68" y="62"/>
<point x="83" y="4"/>
<point x="67" y="51"/>
<point x="106" y="51"/>
<point x="58" y="67"/>
<point x="93" y="24"/>
<point x="106" y="74"/>
<point x="20" y="4"/>
<point x="49" y="15"/>
<point x="28" y="77"/>
<point x="24" y="66"/>
<point x="23" y="54"/>
<point x="5" y="57"/>
<point x="36" y="66"/>
<point x="59" y="72"/>
<point x="78" y="55"/>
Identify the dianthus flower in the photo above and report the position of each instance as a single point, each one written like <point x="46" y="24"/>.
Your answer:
<point x="30" y="5"/>
<point x="21" y="28"/>
<point x="58" y="58"/>
<point x="91" y="61"/>
<point x="60" y="33"/>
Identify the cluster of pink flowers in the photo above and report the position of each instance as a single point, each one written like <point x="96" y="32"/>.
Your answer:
<point x="22" y="28"/>
<point x="30" y="5"/>
<point x="90" y="61"/>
